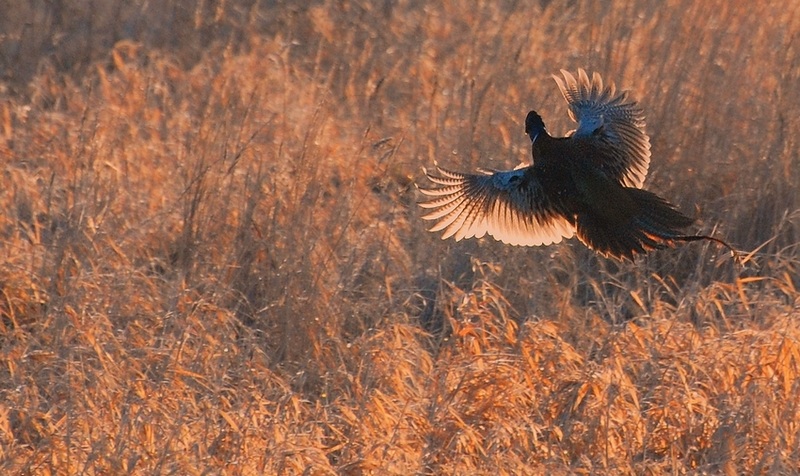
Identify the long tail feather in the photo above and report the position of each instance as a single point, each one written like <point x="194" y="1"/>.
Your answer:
<point x="634" y="223"/>
<point x="734" y="251"/>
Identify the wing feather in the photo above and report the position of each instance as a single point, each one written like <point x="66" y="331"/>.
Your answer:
<point x="510" y="205"/>
<point x="610" y="124"/>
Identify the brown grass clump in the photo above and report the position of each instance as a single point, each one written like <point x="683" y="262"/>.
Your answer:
<point x="213" y="262"/>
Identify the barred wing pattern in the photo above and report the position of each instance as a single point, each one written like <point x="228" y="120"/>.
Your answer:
<point x="612" y="127"/>
<point x="511" y="206"/>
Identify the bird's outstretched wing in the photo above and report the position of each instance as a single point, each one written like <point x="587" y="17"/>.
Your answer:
<point x="511" y="206"/>
<point x="612" y="126"/>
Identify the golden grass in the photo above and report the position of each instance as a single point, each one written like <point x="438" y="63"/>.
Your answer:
<point x="212" y="259"/>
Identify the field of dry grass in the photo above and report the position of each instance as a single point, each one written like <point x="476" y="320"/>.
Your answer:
<point x="212" y="260"/>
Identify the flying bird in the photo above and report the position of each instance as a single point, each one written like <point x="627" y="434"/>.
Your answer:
<point x="588" y="184"/>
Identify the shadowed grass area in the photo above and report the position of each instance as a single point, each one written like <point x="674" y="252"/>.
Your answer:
<point x="212" y="259"/>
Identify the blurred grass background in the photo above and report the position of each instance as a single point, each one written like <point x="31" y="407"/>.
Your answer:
<point x="212" y="260"/>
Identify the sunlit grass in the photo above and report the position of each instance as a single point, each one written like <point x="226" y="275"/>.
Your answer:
<point x="213" y="260"/>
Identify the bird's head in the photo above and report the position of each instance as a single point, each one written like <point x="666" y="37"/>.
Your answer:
<point x="534" y="125"/>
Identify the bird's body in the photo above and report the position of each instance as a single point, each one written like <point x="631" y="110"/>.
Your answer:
<point x="588" y="183"/>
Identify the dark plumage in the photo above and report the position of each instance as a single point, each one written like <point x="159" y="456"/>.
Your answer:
<point x="588" y="183"/>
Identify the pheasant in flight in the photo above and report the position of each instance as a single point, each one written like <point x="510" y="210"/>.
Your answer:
<point x="586" y="184"/>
